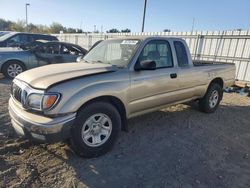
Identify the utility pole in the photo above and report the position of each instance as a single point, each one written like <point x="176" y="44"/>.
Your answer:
<point x="26" y="10"/>
<point x="144" y="13"/>
<point x="193" y="24"/>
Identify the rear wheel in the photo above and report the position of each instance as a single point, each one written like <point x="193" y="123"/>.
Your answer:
<point x="12" y="68"/>
<point x="95" y="130"/>
<point x="210" y="102"/>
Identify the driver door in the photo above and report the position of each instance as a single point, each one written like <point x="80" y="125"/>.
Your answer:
<point x="154" y="88"/>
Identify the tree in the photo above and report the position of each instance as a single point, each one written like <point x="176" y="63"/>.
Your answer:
<point x="167" y="30"/>
<point x="34" y="28"/>
<point x="43" y="29"/>
<point x="5" y="25"/>
<point x="113" y="31"/>
<point x="56" y="27"/>
<point x="126" y="30"/>
<point x="18" y="26"/>
<point x="79" y="31"/>
<point x="71" y="30"/>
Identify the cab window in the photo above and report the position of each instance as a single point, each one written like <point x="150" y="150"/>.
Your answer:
<point x="158" y="51"/>
<point x="181" y="54"/>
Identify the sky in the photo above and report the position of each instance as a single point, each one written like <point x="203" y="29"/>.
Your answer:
<point x="176" y="15"/>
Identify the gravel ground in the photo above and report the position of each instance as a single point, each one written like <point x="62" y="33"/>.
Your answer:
<point x="175" y="147"/>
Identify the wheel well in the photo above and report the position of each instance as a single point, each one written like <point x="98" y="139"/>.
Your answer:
<point x="13" y="60"/>
<point x="117" y="103"/>
<point x="217" y="81"/>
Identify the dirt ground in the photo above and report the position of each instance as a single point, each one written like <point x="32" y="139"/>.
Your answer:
<point x="176" y="147"/>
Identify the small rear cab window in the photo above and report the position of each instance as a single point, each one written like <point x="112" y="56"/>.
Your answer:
<point x="181" y="54"/>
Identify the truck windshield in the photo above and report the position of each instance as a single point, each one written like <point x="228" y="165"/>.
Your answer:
<point x="115" y="52"/>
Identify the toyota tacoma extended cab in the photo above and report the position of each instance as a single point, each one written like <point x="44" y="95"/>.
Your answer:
<point x="89" y="102"/>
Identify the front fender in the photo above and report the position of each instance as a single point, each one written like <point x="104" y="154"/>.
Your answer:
<point x="78" y="92"/>
<point x="82" y="97"/>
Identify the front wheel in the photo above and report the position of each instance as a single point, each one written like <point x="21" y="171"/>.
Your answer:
<point x="95" y="130"/>
<point x="210" y="102"/>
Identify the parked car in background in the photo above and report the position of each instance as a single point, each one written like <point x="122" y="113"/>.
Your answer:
<point x="4" y="33"/>
<point x="13" y="61"/>
<point x="16" y="39"/>
<point x="89" y="102"/>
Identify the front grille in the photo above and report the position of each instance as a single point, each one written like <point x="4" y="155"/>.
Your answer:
<point x="16" y="92"/>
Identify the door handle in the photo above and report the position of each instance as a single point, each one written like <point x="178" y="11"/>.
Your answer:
<point x="173" y="75"/>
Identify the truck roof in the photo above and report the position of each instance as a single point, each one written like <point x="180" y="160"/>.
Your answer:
<point x="146" y="38"/>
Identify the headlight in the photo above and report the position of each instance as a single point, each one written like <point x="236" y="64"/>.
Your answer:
<point x="34" y="101"/>
<point x="42" y="101"/>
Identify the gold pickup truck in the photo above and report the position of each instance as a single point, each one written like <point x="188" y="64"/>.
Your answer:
<point x="89" y="102"/>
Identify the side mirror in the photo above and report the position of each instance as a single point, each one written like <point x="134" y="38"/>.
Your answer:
<point x="145" y="65"/>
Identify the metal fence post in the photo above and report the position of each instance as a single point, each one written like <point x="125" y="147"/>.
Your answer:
<point x="76" y="39"/>
<point x="89" y="41"/>
<point x="196" y="46"/>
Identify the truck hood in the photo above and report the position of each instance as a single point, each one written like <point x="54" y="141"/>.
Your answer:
<point x="43" y="77"/>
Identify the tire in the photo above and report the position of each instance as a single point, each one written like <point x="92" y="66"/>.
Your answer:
<point x="87" y="139"/>
<point x="12" y="68"/>
<point x="210" y="102"/>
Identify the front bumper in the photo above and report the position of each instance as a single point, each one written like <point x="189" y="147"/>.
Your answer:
<point x="38" y="127"/>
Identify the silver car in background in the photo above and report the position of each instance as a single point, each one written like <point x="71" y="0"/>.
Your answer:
<point x="13" y="61"/>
